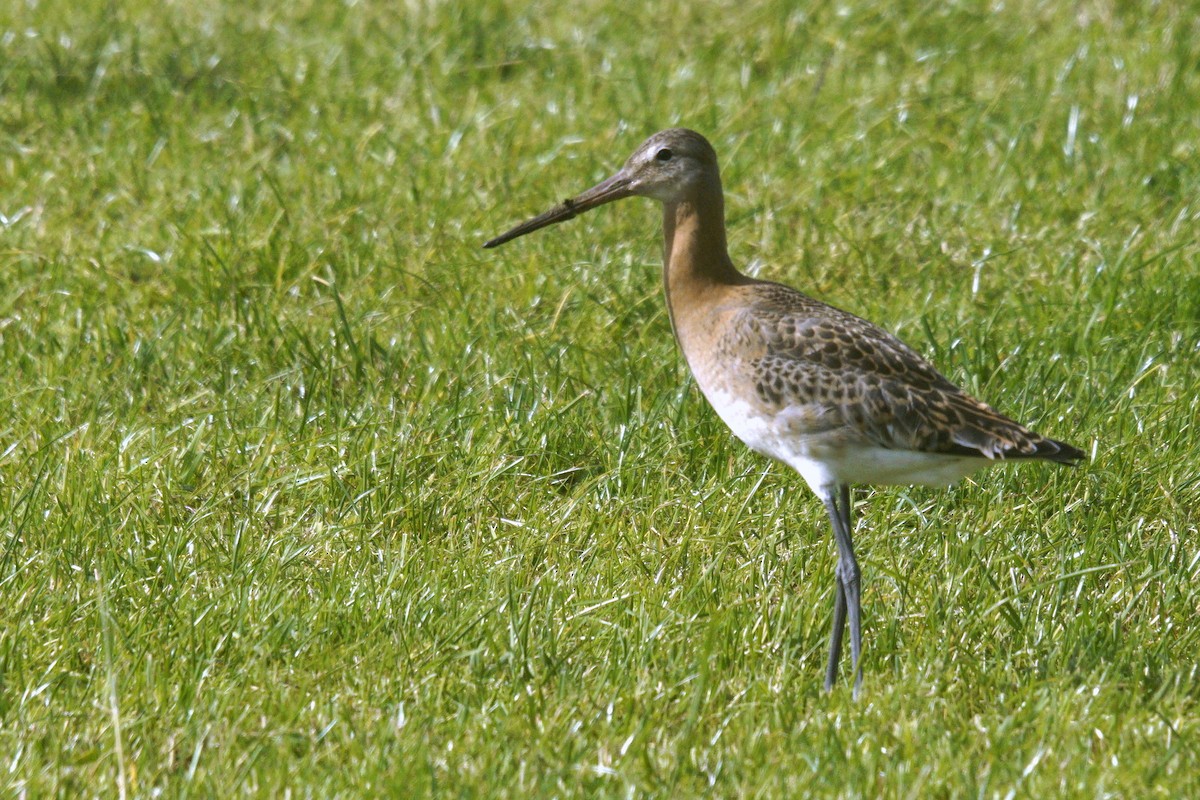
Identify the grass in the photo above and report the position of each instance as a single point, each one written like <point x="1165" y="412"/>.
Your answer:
<point x="302" y="492"/>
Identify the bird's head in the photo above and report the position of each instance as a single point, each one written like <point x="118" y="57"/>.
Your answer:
<point x="670" y="166"/>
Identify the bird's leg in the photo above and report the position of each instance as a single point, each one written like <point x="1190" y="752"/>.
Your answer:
<point x="847" y="602"/>
<point x="835" y="639"/>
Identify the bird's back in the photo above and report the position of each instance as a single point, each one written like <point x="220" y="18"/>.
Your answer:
<point x="798" y="379"/>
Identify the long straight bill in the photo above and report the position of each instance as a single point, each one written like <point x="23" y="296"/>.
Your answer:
<point x="614" y="188"/>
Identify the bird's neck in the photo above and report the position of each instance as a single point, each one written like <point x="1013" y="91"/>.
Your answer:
<point x="696" y="263"/>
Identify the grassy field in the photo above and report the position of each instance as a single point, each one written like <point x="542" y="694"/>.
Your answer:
<point x="303" y="493"/>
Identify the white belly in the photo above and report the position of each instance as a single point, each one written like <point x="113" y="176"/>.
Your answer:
<point x="827" y="457"/>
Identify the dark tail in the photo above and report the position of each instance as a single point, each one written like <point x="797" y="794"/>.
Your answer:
<point x="1059" y="452"/>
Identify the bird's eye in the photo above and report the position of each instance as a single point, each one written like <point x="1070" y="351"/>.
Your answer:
<point x="664" y="154"/>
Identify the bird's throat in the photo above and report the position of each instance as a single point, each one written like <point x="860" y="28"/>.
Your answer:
<point x="696" y="261"/>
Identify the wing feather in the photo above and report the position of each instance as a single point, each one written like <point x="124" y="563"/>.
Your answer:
<point x="852" y="374"/>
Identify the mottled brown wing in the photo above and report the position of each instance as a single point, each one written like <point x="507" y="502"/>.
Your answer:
<point x="865" y="379"/>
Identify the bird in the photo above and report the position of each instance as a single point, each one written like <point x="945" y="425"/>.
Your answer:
<point x="831" y="395"/>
